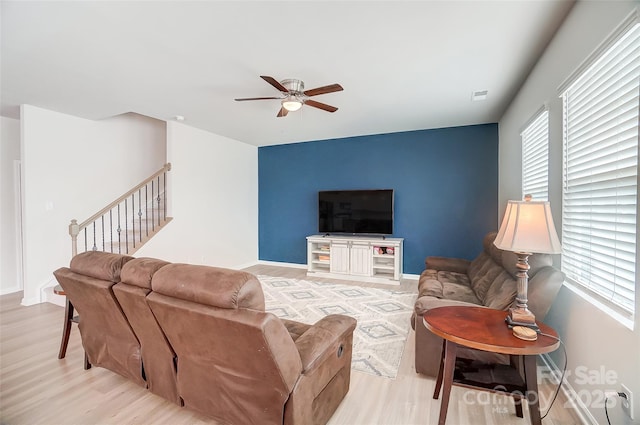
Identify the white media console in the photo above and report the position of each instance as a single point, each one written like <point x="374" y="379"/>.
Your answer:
<point x="369" y="259"/>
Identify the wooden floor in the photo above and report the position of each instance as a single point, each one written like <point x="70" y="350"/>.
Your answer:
<point x="37" y="388"/>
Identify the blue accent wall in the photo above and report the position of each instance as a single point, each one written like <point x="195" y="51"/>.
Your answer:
<point x="445" y="185"/>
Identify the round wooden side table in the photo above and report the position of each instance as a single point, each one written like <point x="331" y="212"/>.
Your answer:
<point x="485" y="329"/>
<point x="69" y="318"/>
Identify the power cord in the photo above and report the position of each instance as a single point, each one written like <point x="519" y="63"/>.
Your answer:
<point x="564" y="370"/>
<point x="606" y="400"/>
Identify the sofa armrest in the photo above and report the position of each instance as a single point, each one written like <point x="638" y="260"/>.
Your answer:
<point x="457" y="265"/>
<point x="324" y="339"/>
<point x="427" y="302"/>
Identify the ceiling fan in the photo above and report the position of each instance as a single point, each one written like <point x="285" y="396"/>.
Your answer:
<point x="293" y="95"/>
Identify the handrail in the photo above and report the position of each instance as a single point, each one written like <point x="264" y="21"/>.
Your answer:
<point x="167" y="167"/>
<point x="75" y="228"/>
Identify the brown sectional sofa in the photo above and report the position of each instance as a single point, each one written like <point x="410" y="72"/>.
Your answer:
<point x="199" y="337"/>
<point x="489" y="281"/>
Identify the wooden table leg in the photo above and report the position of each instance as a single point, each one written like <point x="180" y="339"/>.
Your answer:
<point x="449" y="368"/>
<point x="436" y="392"/>
<point x="531" y="383"/>
<point x="66" y="328"/>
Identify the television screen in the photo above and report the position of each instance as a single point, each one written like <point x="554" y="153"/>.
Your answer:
<point x="356" y="211"/>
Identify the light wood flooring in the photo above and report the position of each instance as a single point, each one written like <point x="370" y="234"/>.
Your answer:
<point x="37" y="388"/>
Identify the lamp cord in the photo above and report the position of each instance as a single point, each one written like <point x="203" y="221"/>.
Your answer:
<point x="564" y="370"/>
<point x="606" y="412"/>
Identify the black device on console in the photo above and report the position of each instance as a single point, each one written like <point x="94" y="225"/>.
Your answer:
<point x="368" y="212"/>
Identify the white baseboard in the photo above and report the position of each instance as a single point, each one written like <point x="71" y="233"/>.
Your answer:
<point x="569" y="394"/>
<point x="279" y="264"/>
<point x="407" y="276"/>
<point x="26" y="302"/>
<point x="10" y="290"/>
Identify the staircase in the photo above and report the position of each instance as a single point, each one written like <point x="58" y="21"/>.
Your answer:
<point x="127" y="223"/>
<point x="123" y="226"/>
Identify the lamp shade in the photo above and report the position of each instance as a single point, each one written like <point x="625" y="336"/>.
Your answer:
<point x="528" y="227"/>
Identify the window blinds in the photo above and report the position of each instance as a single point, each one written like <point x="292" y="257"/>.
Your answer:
<point x="535" y="158"/>
<point x="600" y="113"/>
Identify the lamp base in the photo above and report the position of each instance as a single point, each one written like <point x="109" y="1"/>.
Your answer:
<point x="521" y="313"/>
<point x="511" y="323"/>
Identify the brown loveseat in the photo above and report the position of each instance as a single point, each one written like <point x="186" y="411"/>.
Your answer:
<point x="199" y="336"/>
<point x="489" y="281"/>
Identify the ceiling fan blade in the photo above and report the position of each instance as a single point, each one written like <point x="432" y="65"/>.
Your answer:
<point x="324" y="89"/>
<point x="319" y="105"/>
<point x="282" y="113"/>
<point x="255" y="98"/>
<point x="274" y="83"/>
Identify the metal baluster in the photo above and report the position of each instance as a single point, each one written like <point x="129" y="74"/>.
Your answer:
<point x="165" y="195"/>
<point x="102" y="218"/>
<point x="153" y="214"/>
<point x="146" y="208"/>
<point x="158" y="199"/>
<point x="126" y="229"/>
<point x="140" y="213"/>
<point x="95" y="248"/>
<point x="119" y="230"/>
<point x="133" y="218"/>
<point x="111" y="229"/>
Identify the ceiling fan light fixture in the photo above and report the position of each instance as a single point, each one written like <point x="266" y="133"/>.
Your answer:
<point x="291" y="103"/>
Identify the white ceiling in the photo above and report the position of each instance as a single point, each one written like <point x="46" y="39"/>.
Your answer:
<point x="403" y="65"/>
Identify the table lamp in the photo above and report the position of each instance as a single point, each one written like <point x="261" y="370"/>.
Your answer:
<point x="527" y="228"/>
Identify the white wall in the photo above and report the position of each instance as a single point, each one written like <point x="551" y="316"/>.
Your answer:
<point x="9" y="152"/>
<point x="214" y="201"/>
<point x="593" y="339"/>
<point x="71" y="168"/>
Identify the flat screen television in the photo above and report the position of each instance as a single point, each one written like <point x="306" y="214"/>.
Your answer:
<point x="353" y="212"/>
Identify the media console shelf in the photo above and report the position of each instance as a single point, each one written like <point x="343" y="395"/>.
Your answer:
<point x="369" y="259"/>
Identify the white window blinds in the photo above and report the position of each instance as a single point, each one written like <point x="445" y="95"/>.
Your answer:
<point x="600" y="112"/>
<point x="535" y="158"/>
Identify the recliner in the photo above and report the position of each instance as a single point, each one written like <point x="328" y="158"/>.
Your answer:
<point x="199" y="335"/>
<point x="107" y="337"/>
<point x="158" y="358"/>
<point x="240" y="364"/>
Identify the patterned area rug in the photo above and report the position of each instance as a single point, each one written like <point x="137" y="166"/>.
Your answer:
<point x="382" y="314"/>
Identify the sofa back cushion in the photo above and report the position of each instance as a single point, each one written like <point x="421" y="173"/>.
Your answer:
<point x="213" y="286"/>
<point x="100" y="265"/>
<point x="236" y="364"/>
<point x="502" y="292"/>
<point x="485" y="268"/>
<point x="158" y="356"/>
<point x="485" y="278"/>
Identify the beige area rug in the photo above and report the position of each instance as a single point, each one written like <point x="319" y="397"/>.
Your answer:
<point x="382" y="314"/>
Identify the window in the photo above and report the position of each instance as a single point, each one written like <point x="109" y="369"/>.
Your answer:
<point x="535" y="158"/>
<point x="600" y="113"/>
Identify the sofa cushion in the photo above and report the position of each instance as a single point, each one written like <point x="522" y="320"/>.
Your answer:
<point x="453" y="277"/>
<point x="502" y="292"/>
<point x="457" y="292"/>
<point x="485" y="279"/>
<point x="214" y="286"/>
<point x="138" y="272"/>
<point x="477" y="264"/>
<point x="446" y="285"/>
<point x="99" y="265"/>
<point x="428" y="284"/>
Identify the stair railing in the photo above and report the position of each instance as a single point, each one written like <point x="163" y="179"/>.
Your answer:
<point x="126" y="223"/>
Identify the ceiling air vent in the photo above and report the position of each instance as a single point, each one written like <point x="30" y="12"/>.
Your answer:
<point x="479" y="95"/>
